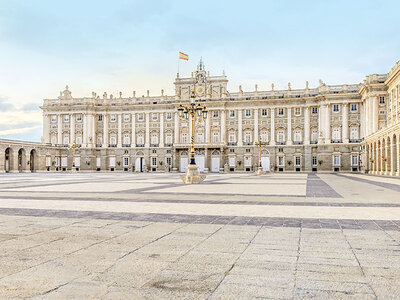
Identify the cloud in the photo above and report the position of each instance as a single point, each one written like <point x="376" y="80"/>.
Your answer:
<point x="19" y="117"/>
<point x="30" y="107"/>
<point x="18" y="130"/>
<point x="4" y="105"/>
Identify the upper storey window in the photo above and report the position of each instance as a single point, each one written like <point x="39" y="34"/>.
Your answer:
<point x="315" y="110"/>
<point x="215" y="114"/>
<point x="232" y="113"/>
<point x="127" y="117"/>
<point x="140" y="117"/>
<point x="381" y="100"/>
<point x="264" y="112"/>
<point x="297" y="111"/>
<point x="336" y="108"/>
<point x="53" y="118"/>
<point x="113" y="118"/>
<point x="79" y="118"/>
<point x="100" y="118"/>
<point x="66" y="118"/>
<point x="154" y="116"/>
<point x="354" y="107"/>
<point x="247" y="112"/>
<point x="169" y="116"/>
<point x="280" y="111"/>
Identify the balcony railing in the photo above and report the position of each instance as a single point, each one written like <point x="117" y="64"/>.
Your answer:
<point x="336" y="141"/>
<point x="99" y="145"/>
<point x="169" y="145"/>
<point x="281" y="143"/>
<point x="112" y="145"/>
<point x="154" y="145"/>
<point x="247" y="143"/>
<point x="313" y="142"/>
<point x="139" y="145"/>
<point x="298" y="143"/>
<point x="126" y="145"/>
<point x="232" y="143"/>
<point x="355" y="141"/>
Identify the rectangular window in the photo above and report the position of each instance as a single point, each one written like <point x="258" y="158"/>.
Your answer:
<point x="215" y="114"/>
<point x="381" y="100"/>
<point x="113" y="118"/>
<point x="154" y="161"/>
<point x="100" y="118"/>
<point x="297" y="161"/>
<point x="66" y="118"/>
<point x="169" y="161"/>
<point x="280" y="111"/>
<point x="336" y="160"/>
<point x="336" y="107"/>
<point x="169" y="116"/>
<point x="53" y="118"/>
<point x="297" y="111"/>
<point x="140" y="117"/>
<point x="247" y="112"/>
<point x="154" y="116"/>
<point x="354" y="160"/>
<point x="127" y="117"/>
<point x="264" y="112"/>
<point x="314" y="161"/>
<point x="281" y="161"/>
<point x="314" y="110"/>
<point x="232" y="113"/>
<point x="126" y="161"/>
<point x="79" y="118"/>
<point x="354" y="107"/>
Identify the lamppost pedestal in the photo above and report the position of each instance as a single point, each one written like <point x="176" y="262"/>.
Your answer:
<point x="260" y="171"/>
<point x="192" y="175"/>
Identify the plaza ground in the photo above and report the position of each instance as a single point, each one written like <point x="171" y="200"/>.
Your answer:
<point x="236" y="236"/>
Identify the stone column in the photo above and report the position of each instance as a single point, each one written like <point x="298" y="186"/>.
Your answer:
<point x="176" y="128"/>
<point x="272" y="140"/>
<point x="59" y="129"/>
<point x="84" y="130"/>
<point x="327" y="124"/>
<point x="105" y="130"/>
<point x="362" y="120"/>
<point x="240" y="124"/>
<point x="306" y="125"/>
<point x="161" y="129"/>
<point x="208" y="130"/>
<point x="398" y="153"/>
<point x="345" y="123"/>
<point x="46" y="129"/>
<point x="289" y="126"/>
<point x="381" y="159"/>
<point x="256" y="134"/>
<point x="321" y="128"/>
<point x="94" y="137"/>
<point x="392" y="159"/>
<point x="72" y="129"/>
<point x="223" y="126"/>
<point x="133" y="133"/>
<point x="119" y="138"/>
<point x="147" y="140"/>
<point x="386" y="150"/>
<point x="374" y="114"/>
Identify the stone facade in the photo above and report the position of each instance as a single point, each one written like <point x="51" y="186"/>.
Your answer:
<point x="311" y="129"/>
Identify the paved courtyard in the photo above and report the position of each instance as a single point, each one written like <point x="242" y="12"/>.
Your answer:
<point x="237" y="236"/>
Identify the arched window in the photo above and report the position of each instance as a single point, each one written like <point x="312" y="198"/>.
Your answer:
<point x="264" y="136"/>
<point x="297" y="136"/>
<point x="140" y="139"/>
<point x="127" y="139"/>
<point x="354" y="133"/>
<point x="336" y="134"/>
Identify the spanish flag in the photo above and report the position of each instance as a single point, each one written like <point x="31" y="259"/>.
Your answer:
<point x="183" y="56"/>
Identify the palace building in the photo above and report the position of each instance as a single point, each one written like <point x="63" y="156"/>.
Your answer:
<point x="349" y="127"/>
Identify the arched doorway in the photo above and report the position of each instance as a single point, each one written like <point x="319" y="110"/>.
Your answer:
<point x="184" y="161"/>
<point x="8" y="157"/>
<point x="21" y="160"/>
<point x="265" y="161"/>
<point x="32" y="160"/>
<point x="394" y="153"/>
<point x="200" y="160"/>
<point x="139" y="162"/>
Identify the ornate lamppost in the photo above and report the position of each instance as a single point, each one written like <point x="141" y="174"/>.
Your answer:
<point x="73" y="147"/>
<point x="185" y="112"/>
<point x="260" y="144"/>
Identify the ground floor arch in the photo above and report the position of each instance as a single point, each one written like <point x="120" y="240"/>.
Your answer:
<point x="8" y="160"/>
<point x="265" y="161"/>
<point x="21" y="160"/>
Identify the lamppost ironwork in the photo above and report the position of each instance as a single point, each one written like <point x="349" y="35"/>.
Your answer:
<point x="73" y="148"/>
<point x="192" y="110"/>
<point x="260" y="144"/>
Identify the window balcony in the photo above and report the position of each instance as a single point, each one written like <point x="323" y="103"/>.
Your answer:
<point x="126" y="145"/>
<point x="247" y="143"/>
<point x="169" y="145"/>
<point x="314" y="142"/>
<point x="281" y="143"/>
<point x="99" y="145"/>
<point x="232" y="143"/>
<point x="336" y="141"/>
<point x="112" y="145"/>
<point x="154" y="145"/>
<point x="355" y="141"/>
<point x="139" y="145"/>
<point x="298" y="143"/>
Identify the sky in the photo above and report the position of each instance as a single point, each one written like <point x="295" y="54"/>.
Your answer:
<point x="121" y="45"/>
